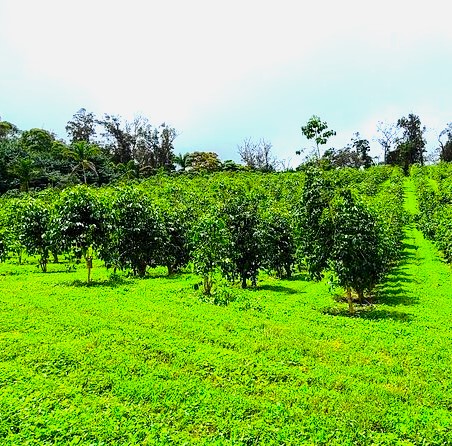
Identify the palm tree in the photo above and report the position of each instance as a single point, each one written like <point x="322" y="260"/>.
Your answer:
<point x="128" y="171"/>
<point x="182" y="160"/>
<point x="81" y="152"/>
<point x="25" y="170"/>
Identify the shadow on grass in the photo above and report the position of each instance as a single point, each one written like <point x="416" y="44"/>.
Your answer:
<point x="59" y="271"/>
<point x="409" y="246"/>
<point x="113" y="282"/>
<point x="302" y="276"/>
<point x="277" y="288"/>
<point x="161" y="275"/>
<point x="409" y="251"/>
<point x="368" y="313"/>
<point x="401" y="274"/>
<point x="11" y="273"/>
<point x="396" y="289"/>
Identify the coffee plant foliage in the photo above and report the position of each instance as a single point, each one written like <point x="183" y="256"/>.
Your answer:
<point x="278" y="252"/>
<point x="434" y="192"/>
<point x="79" y="221"/>
<point x="229" y="224"/>
<point x="136" y="232"/>
<point x="34" y="230"/>
<point x="245" y="250"/>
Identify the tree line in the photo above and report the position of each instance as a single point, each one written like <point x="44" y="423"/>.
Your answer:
<point x="403" y="144"/>
<point x="108" y="149"/>
<point x="97" y="151"/>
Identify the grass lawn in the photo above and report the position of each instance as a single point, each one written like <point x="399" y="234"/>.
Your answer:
<point x="132" y="361"/>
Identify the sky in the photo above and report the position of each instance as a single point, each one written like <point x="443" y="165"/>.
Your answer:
<point x="220" y="72"/>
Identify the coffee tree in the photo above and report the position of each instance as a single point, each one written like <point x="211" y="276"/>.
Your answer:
<point x="79" y="223"/>
<point x="10" y="232"/>
<point x="136" y="233"/>
<point x="245" y="248"/>
<point x="175" y="251"/>
<point x="278" y="242"/>
<point x="313" y="226"/>
<point x="34" y="230"/>
<point x="3" y="237"/>
<point x="3" y="233"/>
<point x="357" y="255"/>
<point x="209" y="247"/>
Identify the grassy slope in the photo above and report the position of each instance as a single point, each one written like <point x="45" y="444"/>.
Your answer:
<point x="146" y="362"/>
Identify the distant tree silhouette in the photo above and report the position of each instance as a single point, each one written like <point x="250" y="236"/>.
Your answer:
<point x="411" y="145"/>
<point x="82" y="127"/>
<point x="445" y="143"/>
<point x="257" y="155"/>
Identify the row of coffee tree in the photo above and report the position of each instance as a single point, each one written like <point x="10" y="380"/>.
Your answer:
<point x="229" y="225"/>
<point x="434" y="192"/>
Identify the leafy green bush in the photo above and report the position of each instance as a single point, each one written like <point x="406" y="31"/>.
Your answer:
<point x="278" y="244"/>
<point x="357" y="254"/>
<point x="79" y="223"/>
<point x="313" y="226"/>
<point x="433" y="187"/>
<point x="210" y="241"/>
<point x="245" y="257"/>
<point x="137" y="233"/>
<point x="35" y="230"/>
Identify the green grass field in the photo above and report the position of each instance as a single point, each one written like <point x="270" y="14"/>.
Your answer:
<point x="130" y="361"/>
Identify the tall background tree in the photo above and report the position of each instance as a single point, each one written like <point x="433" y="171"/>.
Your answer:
<point x="181" y="160"/>
<point x="82" y="127"/>
<point x="445" y="143"/>
<point x="387" y="138"/>
<point x="118" y="138"/>
<point x="48" y="157"/>
<point x="7" y="130"/>
<point x="150" y="147"/>
<point x="203" y="161"/>
<point x="410" y="146"/>
<point x="317" y="130"/>
<point x="355" y="154"/>
<point x="258" y="155"/>
<point x="82" y="154"/>
<point x="25" y="170"/>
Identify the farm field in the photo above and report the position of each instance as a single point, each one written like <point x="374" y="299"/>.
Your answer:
<point x="147" y="361"/>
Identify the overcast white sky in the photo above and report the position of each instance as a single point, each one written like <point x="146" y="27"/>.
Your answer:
<point x="222" y="71"/>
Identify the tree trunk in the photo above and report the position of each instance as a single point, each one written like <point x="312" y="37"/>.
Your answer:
<point x="351" y="308"/>
<point x="43" y="264"/>
<point x="207" y="285"/>
<point x="89" y="266"/>
<point x="141" y="270"/>
<point x="361" y="297"/>
<point x="288" y="271"/>
<point x="243" y="281"/>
